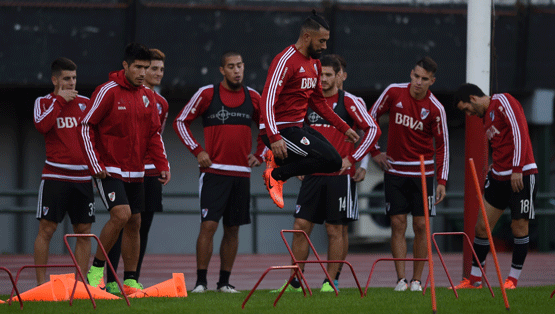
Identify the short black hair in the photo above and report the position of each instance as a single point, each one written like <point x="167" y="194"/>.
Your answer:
<point x="341" y="61"/>
<point x="331" y="61"/>
<point x="314" y="22"/>
<point x="427" y="64"/>
<point x="136" y="51"/>
<point x="464" y="92"/>
<point x="227" y="54"/>
<point x="62" y="64"/>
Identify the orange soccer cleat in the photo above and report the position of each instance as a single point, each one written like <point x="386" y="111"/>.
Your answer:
<point x="509" y="284"/>
<point x="466" y="284"/>
<point x="275" y="187"/>
<point x="270" y="161"/>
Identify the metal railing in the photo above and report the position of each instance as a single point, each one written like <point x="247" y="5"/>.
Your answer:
<point x="546" y="202"/>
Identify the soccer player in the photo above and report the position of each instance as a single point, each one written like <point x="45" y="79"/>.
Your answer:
<point x="292" y="85"/>
<point x="153" y="187"/>
<point x="227" y="109"/>
<point x="117" y="133"/>
<point x="416" y="120"/>
<point x="332" y="197"/>
<point x="66" y="184"/>
<point x="511" y="180"/>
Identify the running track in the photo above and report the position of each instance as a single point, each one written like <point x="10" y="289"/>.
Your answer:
<point x="539" y="270"/>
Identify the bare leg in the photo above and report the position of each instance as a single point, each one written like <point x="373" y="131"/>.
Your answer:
<point x="228" y="248"/>
<point x="300" y="245"/>
<point x="335" y="247"/>
<point x="131" y="243"/>
<point x="205" y="243"/>
<point x="420" y="249"/>
<point x="42" y="246"/>
<point x="119" y="215"/>
<point x="398" y="242"/>
<point x="82" y="247"/>
<point x="493" y="215"/>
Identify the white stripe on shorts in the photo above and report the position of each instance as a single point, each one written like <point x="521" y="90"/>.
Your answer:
<point x="101" y="191"/>
<point x="39" y="203"/>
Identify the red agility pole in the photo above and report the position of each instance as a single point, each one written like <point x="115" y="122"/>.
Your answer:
<point x="298" y="273"/>
<point x="428" y="233"/>
<point x="90" y="235"/>
<point x="318" y="260"/>
<point x="14" y="287"/>
<point x="490" y="238"/>
<point x="445" y="267"/>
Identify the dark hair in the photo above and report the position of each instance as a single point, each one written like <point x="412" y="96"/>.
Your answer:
<point x="156" y="54"/>
<point x="464" y="92"/>
<point x="427" y="64"/>
<point x="227" y="54"/>
<point x="331" y="61"/>
<point x="341" y="61"/>
<point x="62" y="64"/>
<point x="136" y="51"/>
<point x="314" y="22"/>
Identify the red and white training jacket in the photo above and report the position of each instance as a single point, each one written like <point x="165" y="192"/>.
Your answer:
<point x="292" y="85"/>
<point x="507" y="131"/>
<point x="120" y="128"/>
<point x="354" y="112"/>
<point x="57" y="120"/>
<point x="413" y="127"/>
<point x="228" y="145"/>
<point x="162" y="108"/>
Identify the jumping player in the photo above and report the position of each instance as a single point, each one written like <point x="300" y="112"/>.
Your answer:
<point x="292" y="85"/>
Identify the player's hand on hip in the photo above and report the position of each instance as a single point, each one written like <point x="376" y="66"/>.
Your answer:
<point x="440" y="193"/>
<point x="352" y="136"/>
<point x="253" y="161"/>
<point x="359" y="175"/>
<point x="383" y="161"/>
<point x="102" y="174"/>
<point x="204" y="160"/>
<point x="516" y="182"/>
<point x="279" y="149"/>
<point x="165" y="177"/>
<point x="345" y="164"/>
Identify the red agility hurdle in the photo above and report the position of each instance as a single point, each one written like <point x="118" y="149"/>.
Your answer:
<point x="76" y="266"/>
<point x="14" y="288"/>
<point x="445" y="267"/>
<point x="318" y="260"/>
<point x="298" y="273"/>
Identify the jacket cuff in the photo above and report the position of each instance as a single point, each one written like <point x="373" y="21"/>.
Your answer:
<point x="274" y="138"/>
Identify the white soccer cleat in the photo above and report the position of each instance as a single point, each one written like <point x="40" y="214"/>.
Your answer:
<point x="415" y="285"/>
<point x="227" y="289"/>
<point x="200" y="289"/>
<point x="402" y="285"/>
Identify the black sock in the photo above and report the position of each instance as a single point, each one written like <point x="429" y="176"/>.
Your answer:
<point x="520" y="250"/>
<point x="129" y="275"/>
<point x="295" y="283"/>
<point x="481" y="247"/>
<point x="98" y="263"/>
<point x="201" y="277"/>
<point x="224" y="277"/>
<point x="337" y="275"/>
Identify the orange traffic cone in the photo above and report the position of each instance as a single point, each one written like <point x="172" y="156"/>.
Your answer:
<point x="173" y="288"/>
<point x="53" y="290"/>
<point x="80" y="291"/>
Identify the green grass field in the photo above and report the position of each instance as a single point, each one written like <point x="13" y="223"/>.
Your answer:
<point x="379" y="300"/>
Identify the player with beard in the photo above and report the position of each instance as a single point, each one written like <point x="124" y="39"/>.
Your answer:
<point x="332" y="197"/>
<point x="227" y="109"/>
<point x="293" y="85"/>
